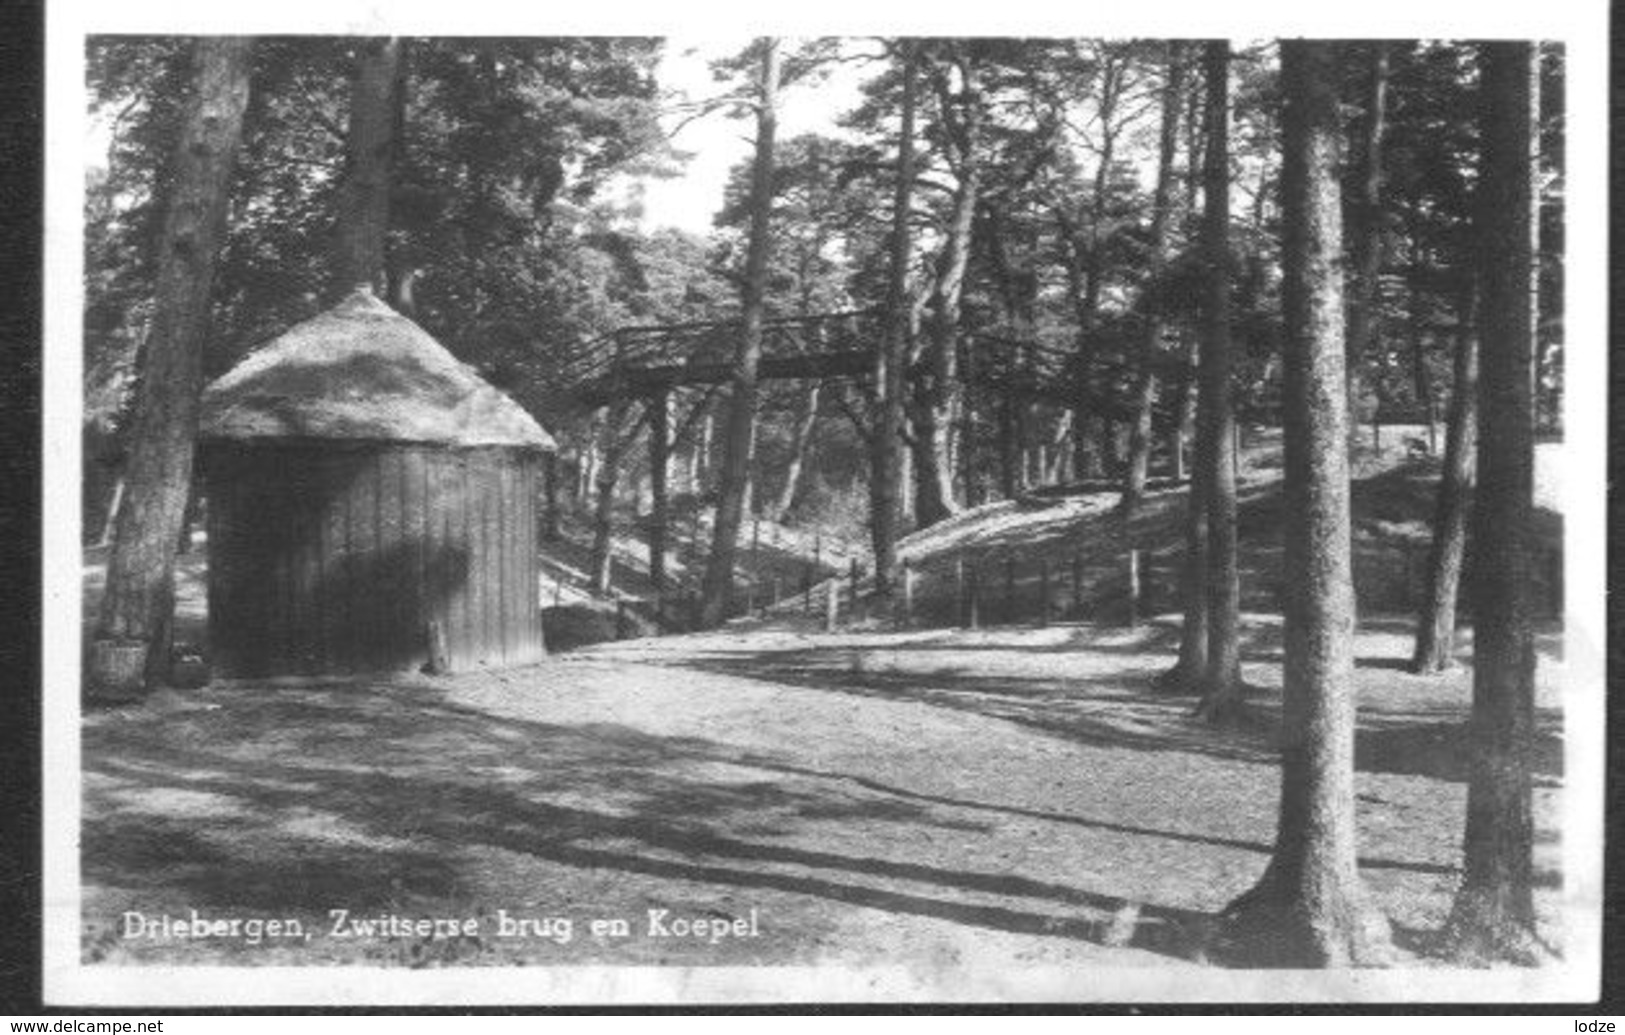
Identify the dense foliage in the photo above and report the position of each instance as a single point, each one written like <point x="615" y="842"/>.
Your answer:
<point x="503" y="243"/>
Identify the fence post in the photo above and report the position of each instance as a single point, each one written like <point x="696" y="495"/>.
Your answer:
<point x="1010" y="589"/>
<point x="806" y="586"/>
<point x="832" y="603"/>
<point x="852" y="568"/>
<point x="908" y="594"/>
<point x="439" y="660"/>
<point x="1410" y="573"/>
<point x="1043" y="591"/>
<point x="1133" y="587"/>
<point x="975" y="597"/>
<point x="1077" y="584"/>
<point x="961" y="589"/>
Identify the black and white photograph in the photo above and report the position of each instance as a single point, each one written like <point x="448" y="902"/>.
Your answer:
<point x="1098" y="507"/>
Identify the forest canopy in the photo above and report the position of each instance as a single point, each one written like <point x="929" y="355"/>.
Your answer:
<point x="507" y="247"/>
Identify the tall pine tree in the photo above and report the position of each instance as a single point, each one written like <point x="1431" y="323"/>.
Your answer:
<point x="1309" y="908"/>
<point x="133" y="629"/>
<point x="1493" y="916"/>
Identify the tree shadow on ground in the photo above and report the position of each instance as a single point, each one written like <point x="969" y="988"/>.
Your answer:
<point x="423" y="789"/>
<point x="382" y="798"/>
<point x="1118" y="708"/>
<point x="1261" y="639"/>
<point x="1111" y="709"/>
<point x="1413" y="746"/>
<point x="1096" y="824"/>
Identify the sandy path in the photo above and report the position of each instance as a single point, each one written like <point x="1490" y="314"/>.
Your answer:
<point x="954" y="808"/>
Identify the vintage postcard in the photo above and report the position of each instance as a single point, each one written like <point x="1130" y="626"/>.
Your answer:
<point x="631" y="506"/>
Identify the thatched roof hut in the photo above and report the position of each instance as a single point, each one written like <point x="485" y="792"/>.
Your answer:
<point x="362" y="371"/>
<point x="364" y="488"/>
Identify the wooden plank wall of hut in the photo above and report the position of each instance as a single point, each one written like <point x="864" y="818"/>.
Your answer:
<point x="334" y="558"/>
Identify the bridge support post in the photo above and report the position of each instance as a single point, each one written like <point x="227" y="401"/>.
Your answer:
<point x="550" y="490"/>
<point x="659" y="462"/>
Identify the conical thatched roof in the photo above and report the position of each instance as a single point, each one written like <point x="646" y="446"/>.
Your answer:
<point x="363" y="371"/>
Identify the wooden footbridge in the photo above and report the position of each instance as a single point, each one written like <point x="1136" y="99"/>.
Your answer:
<point x="646" y="361"/>
<point x="646" y="364"/>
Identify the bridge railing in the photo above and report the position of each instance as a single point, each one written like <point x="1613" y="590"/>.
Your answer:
<point x="606" y="367"/>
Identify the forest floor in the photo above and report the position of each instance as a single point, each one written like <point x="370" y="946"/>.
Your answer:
<point x="954" y="803"/>
<point x="957" y="805"/>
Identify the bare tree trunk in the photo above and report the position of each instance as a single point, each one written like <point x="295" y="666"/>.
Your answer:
<point x="1145" y="392"/>
<point x="1195" y="130"/>
<point x="1057" y="469"/>
<point x="1192" y="665"/>
<point x="1493" y="916"/>
<point x="702" y="466"/>
<point x="114" y="505"/>
<point x="1094" y="434"/>
<point x="800" y="438"/>
<point x="1086" y="460"/>
<point x="1187" y="403"/>
<point x="891" y="358"/>
<point x="590" y="462"/>
<point x="138" y="606"/>
<point x="1113" y="70"/>
<point x="939" y="393"/>
<point x="1421" y="381"/>
<point x="717" y="591"/>
<point x="1009" y="450"/>
<point x="1310" y="909"/>
<point x="600" y="563"/>
<point x="1111" y="456"/>
<point x="1367" y="258"/>
<point x="658" y="406"/>
<point x="905" y="485"/>
<point x="1009" y="412"/>
<point x="1187" y="673"/>
<point x="747" y="502"/>
<point x="189" y="518"/>
<point x="1436" y="625"/>
<point x="363" y="221"/>
<point x="1215" y="441"/>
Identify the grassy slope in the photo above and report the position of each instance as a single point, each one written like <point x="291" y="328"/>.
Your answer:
<point x="1079" y="547"/>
